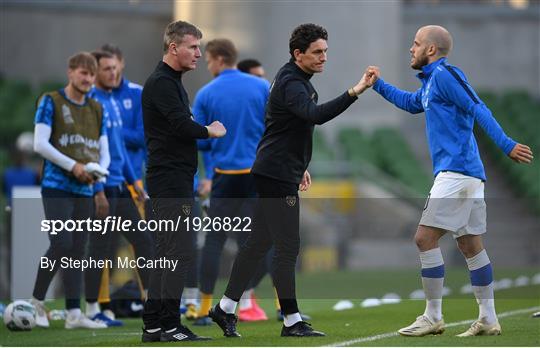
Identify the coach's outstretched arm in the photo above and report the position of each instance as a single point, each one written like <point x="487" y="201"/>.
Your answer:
<point x="301" y="104"/>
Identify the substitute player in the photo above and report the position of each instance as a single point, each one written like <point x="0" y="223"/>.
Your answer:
<point x="112" y="194"/>
<point x="280" y="169"/>
<point x="63" y="118"/>
<point x="127" y="95"/>
<point x="456" y="200"/>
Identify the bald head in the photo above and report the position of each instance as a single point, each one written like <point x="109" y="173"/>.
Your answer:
<point x="438" y="36"/>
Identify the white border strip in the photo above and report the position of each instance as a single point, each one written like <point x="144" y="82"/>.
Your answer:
<point x="394" y="333"/>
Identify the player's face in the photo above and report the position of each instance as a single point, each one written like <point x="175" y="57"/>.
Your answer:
<point x="81" y="79"/>
<point x="312" y="61"/>
<point x="107" y="73"/>
<point x="257" y="71"/>
<point x="213" y="64"/>
<point x="419" y="49"/>
<point x="187" y="52"/>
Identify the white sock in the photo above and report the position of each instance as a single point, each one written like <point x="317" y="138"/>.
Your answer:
<point x="245" y="300"/>
<point x="486" y="305"/>
<point x="433" y="282"/>
<point x="483" y="293"/>
<point x="433" y="310"/>
<point x="73" y="313"/>
<point x="291" y="319"/>
<point x="227" y="305"/>
<point x="190" y="296"/>
<point x="36" y="300"/>
<point x="92" y="309"/>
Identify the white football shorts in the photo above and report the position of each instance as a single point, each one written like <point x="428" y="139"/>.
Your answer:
<point x="456" y="204"/>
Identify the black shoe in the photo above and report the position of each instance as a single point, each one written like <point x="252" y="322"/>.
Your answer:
<point x="227" y="322"/>
<point x="280" y="316"/>
<point x="181" y="333"/>
<point x="300" y="329"/>
<point x="150" y="336"/>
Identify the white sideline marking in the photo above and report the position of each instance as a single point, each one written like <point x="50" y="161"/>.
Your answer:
<point x="394" y="333"/>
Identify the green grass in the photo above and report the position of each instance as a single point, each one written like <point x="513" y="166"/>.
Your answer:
<point x="518" y="330"/>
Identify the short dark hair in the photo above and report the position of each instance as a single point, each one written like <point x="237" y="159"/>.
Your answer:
<point x="113" y="49"/>
<point x="304" y="34"/>
<point x="175" y="32"/>
<point x="83" y="60"/>
<point x="101" y="54"/>
<point x="247" y="64"/>
<point x="222" y="48"/>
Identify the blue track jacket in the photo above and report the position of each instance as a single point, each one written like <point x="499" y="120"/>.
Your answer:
<point x="451" y="108"/>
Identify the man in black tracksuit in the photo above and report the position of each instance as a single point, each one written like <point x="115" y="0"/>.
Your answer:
<point x="280" y="169"/>
<point x="171" y="135"/>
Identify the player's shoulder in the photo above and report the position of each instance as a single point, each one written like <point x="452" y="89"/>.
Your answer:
<point x="206" y="89"/>
<point x="45" y="99"/>
<point x="130" y="85"/>
<point x="446" y="71"/>
<point x="95" y="104"/>
<point x="135" y="86"/>
<point x="255" y="81"/>
<point x="94" y="98"/>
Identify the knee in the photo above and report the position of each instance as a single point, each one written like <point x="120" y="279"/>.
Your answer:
<point x="420" y="241"/>
<point x="288" y="253"/>
<point x="467" y="248"/>
<point x="425" y="242"/>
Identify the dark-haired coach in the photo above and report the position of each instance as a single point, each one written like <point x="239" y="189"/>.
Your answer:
<point x="171" y="135"/>
<point x="280" y="169"/>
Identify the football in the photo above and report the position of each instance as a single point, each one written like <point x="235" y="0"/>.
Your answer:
<point x="20" y="316"/>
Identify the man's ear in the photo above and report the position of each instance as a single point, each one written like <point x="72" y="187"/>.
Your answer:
<point x="296" y="53"/>
<point x="172" y="48"/>
<point x="432" y="50"/>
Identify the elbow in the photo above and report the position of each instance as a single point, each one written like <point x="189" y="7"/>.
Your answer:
<point x="316" y="120"/>
<point x="38" y="146"/>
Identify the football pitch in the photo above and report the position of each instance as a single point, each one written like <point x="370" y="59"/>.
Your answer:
<point x="358" y="326"/>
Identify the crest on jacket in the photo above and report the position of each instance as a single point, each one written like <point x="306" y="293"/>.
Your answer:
<point x="291" y="201"/>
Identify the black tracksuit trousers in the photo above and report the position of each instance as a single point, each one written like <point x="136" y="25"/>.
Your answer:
<point x="276" y="223"/>
<point x="161" y="309"/>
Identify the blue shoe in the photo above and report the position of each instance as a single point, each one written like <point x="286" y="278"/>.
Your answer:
<point x="203" y="321"/>
<point x="102" y="318"/>
<point x="182" y="308"/>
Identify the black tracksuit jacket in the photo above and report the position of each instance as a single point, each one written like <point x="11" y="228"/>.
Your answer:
<point x="285" y="149"/>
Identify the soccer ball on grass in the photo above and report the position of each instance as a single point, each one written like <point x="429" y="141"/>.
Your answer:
<point x="20" y="316"/>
